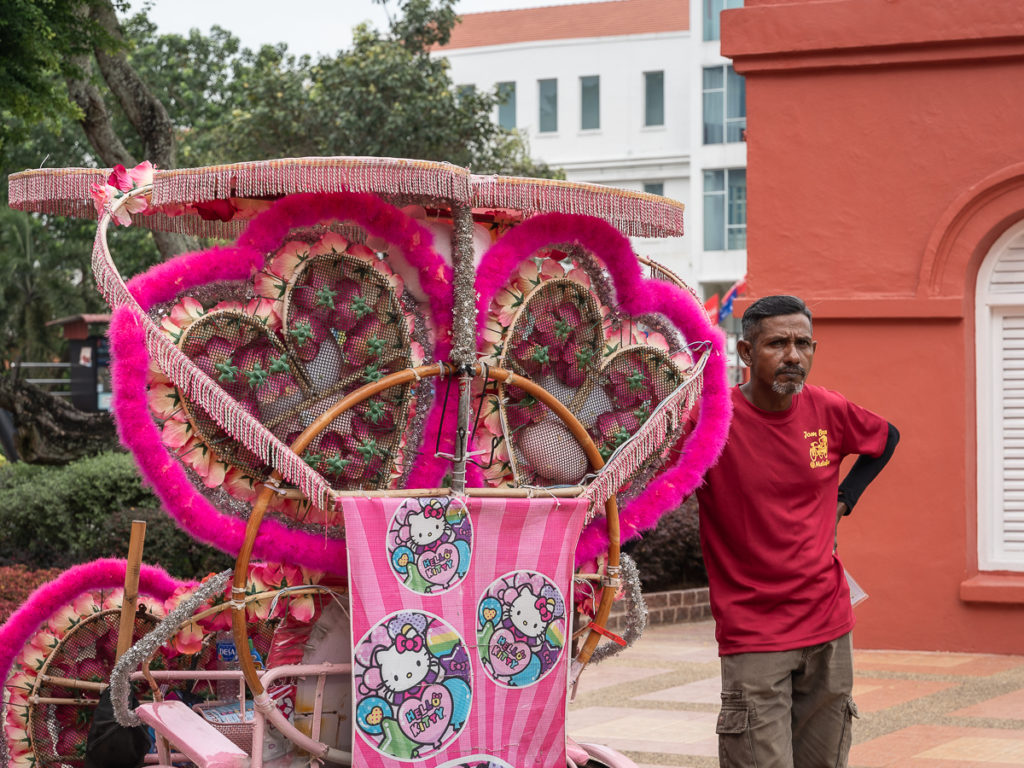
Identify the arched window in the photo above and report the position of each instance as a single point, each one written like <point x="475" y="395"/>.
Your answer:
<point x="1000" y="396"/>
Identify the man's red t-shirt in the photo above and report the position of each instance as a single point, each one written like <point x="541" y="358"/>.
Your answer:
<point x="767" y="521"/>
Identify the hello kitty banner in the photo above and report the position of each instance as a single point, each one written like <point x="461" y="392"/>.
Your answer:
<point x="460" y="625"/>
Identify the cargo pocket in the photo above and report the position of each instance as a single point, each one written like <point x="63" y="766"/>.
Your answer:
<point x="849" y="712"/>
<point x="735" y="749"/>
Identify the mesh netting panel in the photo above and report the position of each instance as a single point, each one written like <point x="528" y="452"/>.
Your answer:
<point x="236" y="350"/>
<point x="347" y="326"/>
<point x="343" y="326"/>
<point x="59" y="731"/>
<point x="555" y="340"/>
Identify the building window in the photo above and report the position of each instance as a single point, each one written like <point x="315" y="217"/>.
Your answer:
<point x="999" y="345"/>
<point x="590" y="103"/>
<point x="725" y="105"/>
<point x="712" y="10"/>
<point x="654" y="98"/>
<point x="725" y="210"/>
<point x="507" y="106"/>
<point x="548" y="90"/>
<point x="654" y="187"/>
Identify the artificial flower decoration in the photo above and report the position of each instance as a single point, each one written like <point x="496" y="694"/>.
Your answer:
<point x="119" y="183"/>
<point x="550" y="323"/>
<point x="69" y="629"/>
<point x="329" y="315"/>
<point x="312" y="310"/>
<point x="560" y="299"/>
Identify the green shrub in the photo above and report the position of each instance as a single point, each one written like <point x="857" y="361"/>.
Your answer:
<point x="669" y="556"/>
<point x="55" y="517"/>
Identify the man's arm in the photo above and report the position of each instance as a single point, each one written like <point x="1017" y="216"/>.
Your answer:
<point x="863" y="471"/>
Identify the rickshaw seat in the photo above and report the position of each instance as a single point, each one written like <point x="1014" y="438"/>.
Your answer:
<point x="199" y="741"/>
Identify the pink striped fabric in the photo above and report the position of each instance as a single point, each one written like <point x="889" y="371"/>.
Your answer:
<point x="471" y="702"/>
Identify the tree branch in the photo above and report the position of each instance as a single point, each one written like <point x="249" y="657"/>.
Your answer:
<point x="51" y="431"/>
<point x="145" y="111"/>
<point x="96" y="122"/>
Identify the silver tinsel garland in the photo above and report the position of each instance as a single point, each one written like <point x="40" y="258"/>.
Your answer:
<point x="120" y="677"/>
<point x="464" y="309"/>
<point x="5" y="756"/>
<point x="636" y="614"/>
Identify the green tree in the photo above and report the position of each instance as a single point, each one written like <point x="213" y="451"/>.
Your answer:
<point x="78" y="87"/>
<point x="40" y="43"/>
<point x="386" y="96"/>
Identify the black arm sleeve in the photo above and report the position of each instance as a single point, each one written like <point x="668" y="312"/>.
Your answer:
<point x="866" y="469"/>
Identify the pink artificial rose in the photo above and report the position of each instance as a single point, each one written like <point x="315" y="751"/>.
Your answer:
<point x="215" y="210"/>
<point x="120" y="179"/>
<point x="189" y="640"/>
<point x="102" y="195"/>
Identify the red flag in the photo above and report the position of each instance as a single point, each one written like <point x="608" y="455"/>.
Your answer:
<point x="739" y="287"/>
<point x="711" y="307"/>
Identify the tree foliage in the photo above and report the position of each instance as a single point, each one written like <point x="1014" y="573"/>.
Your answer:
<point x="39" y="42"/>
<point x="79" y="87"/>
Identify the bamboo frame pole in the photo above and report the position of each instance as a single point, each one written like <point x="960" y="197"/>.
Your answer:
<point x="130" y="601"/>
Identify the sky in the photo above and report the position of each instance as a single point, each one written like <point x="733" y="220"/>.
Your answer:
<point x="307" y="26"/>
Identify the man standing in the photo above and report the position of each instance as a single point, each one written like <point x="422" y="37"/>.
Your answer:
<point x="769" y="511"/>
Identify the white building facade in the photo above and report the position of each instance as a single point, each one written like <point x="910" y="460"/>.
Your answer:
<point x="626" y="93"/>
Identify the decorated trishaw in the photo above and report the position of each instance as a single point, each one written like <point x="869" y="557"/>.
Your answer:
<point x="422" y="408"/>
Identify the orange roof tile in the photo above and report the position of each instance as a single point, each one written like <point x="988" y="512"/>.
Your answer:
<point x="566" y="22"/>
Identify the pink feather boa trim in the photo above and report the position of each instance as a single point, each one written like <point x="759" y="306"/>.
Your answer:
<point x="636" y="296"/>
<point x="164" y="282"/>
<point x="50" y="597"/>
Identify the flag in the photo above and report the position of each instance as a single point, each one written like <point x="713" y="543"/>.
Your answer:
<point x="711" y="307"/>
<point x="726" y="309"/>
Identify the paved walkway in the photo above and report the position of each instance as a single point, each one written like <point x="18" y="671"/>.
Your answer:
<point x="658" y="702"/>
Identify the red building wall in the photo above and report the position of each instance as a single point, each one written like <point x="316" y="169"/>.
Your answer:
<point x="885" y="156"/>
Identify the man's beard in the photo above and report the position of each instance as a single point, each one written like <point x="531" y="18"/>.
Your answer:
<point x="787" y="387"/>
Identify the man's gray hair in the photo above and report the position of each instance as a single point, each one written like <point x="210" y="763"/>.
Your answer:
<point x="771" y="306"/>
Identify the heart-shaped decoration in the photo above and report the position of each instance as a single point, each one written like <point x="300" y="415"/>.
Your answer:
<point x="439" y="566"/>
<point x="506" y="655"/>
<point x="425" y="718"/>
<point x="333" y="322"/>
<point x="598" y="362"/>
<point x="331" y="313"/>
<point x="649" y="333"/>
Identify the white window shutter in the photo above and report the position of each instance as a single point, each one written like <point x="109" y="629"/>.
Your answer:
<point x="1000" y="395"/>
<point x="1010" y="525"/>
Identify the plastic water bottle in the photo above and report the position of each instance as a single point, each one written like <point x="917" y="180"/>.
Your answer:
<point x="227" y="659"/>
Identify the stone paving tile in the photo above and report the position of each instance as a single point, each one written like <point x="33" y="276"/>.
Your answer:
<point x="873" y="694"/>
<point x="692" y="642"/>
<point x="908" y="701"/>
<point x="1008" y="707"/>
<point x="610" y="675"/>
<point x="708" y="691"/>
<point x="915" y="662"/>
<point x="931" y="746"/>
<point x="630" y="730"/>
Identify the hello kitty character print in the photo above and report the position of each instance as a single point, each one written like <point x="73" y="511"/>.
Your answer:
<point x="430" y="543"/>
<point x="413" y="685"/>
<point x="477" y="761"/>
<point x="521" y="627"/>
